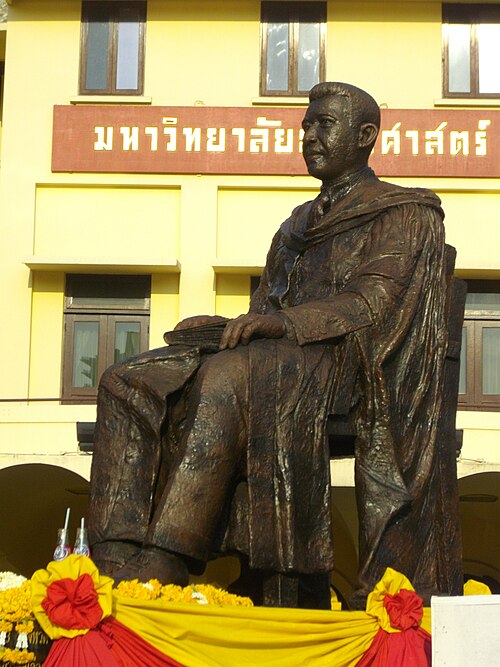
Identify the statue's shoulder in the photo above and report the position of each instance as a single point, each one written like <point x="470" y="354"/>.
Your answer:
<point x="390" y="194"/>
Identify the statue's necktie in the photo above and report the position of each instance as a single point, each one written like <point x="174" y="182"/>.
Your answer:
<point x="321" y="206"/>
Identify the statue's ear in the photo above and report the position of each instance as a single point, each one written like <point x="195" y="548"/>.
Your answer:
<point x="367" y="135"/>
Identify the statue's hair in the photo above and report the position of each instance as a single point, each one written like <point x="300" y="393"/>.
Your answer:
<point x="362" y="107"/>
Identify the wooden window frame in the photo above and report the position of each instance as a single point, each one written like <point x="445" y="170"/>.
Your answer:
<point x="113" y="8"/>
<point x="475" y="320"/>
<point x="467" y="399"/>
<point x="77" y="394"/>
<point x="472" y="15"/>
<point x="474" y="399"/>
<point x="140" y="283"/>
<point x="293" y="13"/>
<point x="107" y="315"/>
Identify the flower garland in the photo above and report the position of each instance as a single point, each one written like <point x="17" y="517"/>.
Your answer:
<point x="16" y="657"/>
<point x="16" y="606"/>
<point x="199" y="593"/>
<point x="15" y="612"/>
<point x="10" y="580"/>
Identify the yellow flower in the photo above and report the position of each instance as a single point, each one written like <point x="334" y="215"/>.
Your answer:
<point x="171" y="593"/>
<point x="73" y="567"/>
<point x="16" y="657"/>
<point x="199" y="594"/>
<point x="220" y="597"/>
<point x="25" y="626"/>
<point x="139" y="591"/>
<point x="15" y="604"/>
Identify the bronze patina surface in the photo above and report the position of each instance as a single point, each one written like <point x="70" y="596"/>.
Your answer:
<point x="202" y="449"/>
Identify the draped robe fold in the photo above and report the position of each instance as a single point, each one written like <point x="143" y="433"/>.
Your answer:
<point x="364" y="291"/>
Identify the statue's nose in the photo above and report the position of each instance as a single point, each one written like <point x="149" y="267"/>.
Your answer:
<point x="310" y="135"/>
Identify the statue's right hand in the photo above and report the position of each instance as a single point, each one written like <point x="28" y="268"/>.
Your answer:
<point x="198" y="320"/>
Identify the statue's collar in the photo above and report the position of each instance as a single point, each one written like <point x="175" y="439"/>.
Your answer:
<point x="336" y="190"/>
<point x="365" y="197"/>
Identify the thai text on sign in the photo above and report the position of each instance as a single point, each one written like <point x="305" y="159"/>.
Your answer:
<point x="245" y="140"/>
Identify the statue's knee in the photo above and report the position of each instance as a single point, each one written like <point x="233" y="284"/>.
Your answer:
<point x="226" y="369"/>
<point x="112" y="376"/>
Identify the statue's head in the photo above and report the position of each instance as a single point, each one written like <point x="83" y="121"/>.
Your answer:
<point x="341" y="125"/>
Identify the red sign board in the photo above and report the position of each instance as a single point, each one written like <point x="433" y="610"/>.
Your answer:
<point x="247" y="140"/>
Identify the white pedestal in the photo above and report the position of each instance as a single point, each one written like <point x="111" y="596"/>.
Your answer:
<point x="466" y="631"/>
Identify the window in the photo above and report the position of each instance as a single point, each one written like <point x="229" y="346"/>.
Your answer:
<point x="471" y="50"/>
<point x="480" y="357"/>
<point x="292" y="47"/>
<point x="112" y="47"/>
<point x="106" y="320"/>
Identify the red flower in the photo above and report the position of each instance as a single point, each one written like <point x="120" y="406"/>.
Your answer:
<point x="73" y="603"/>
<point x="405" y="609"/>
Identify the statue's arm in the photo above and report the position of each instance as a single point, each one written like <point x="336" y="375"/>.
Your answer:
<point x="259" y="301"/>
<point x="379" y="284"/>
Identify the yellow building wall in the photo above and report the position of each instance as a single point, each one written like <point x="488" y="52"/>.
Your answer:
<point x="217" y="228"/>
<point x="232" y="293"/>
<point x="474" y="229"/>
<point x="164" y="307"/>
<point x="46" y="337"/>
<point x="116" y="224"/>
<point x="391" y="49"/>
<point x="200" y="51"/>
<point x="248" y="218"/>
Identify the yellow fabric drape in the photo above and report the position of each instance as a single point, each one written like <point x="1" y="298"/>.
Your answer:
<point x="392" y="582"/>
<point x="210" y="636"/>
<point x="203" y="636"/>
<point x="473" y="587"/>
<point x="223" y="637"/>
<point x="71" y="567"/>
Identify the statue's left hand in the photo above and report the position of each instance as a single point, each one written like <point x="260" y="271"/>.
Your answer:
<point x="244" y="327"/>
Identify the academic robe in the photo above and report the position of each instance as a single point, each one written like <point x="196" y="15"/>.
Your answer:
<point x="363" y="291"/>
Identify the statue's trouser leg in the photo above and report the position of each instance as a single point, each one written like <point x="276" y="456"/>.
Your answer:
<point x="213" y="448"/>
<point x="126" y="457"/>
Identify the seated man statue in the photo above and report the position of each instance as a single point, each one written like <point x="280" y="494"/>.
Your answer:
<point x="348" y="319"/>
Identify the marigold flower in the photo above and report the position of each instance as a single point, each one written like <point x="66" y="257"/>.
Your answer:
<point x="16" y="657"/>
<point x="199" y="594"/>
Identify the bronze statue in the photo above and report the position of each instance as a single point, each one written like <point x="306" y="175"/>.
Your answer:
<point x="200" y="451"/>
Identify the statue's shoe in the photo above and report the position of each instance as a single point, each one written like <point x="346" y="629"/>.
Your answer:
<point x="154" y="563"/>
<point x="112" y="555"/>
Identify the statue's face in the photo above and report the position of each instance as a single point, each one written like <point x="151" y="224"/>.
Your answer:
<point x="330" y="142"/>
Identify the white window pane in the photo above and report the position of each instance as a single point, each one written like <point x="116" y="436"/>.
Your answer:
<point x="482" y="301"/>
<point x="128" y="56"/>
<point x="459" y="58"/>
<point x="488" y="36"/>
<point x="309" y="41"/>
<point x="491" y="360"/>
<point x="127" y="340"/>
<point x="277" y="57"/>
<point x="85" y="354"/>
